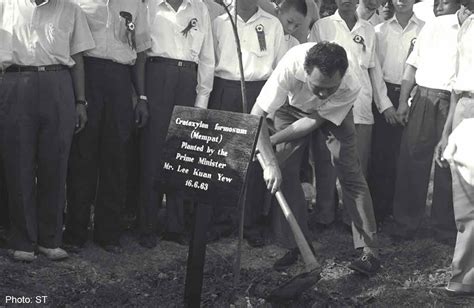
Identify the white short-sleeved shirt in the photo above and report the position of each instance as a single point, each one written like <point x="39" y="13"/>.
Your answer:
<point x="393" y="46"/>
<point x="45" y="35"/>
<point x="464" y="78"/>
<point x="434" y="54"/>
<point x="215" y="9"/>
<point x="334" y="29"/>
<point x="289" y="81"/>
<point x="185" y="34"/>
<point x="289" y="42"/>
<point x="111" y="36"/>
<point x="375" y="19"/>
<point x="6" y="51"/>
<point x="258" y="62"/>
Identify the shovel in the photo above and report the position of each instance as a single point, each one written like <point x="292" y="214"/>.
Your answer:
<point x="301" y="282"/>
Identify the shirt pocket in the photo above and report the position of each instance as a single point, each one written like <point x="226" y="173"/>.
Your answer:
<point x="55" y="40"/>
<point x="121" y="32"/>
<point x="197" y="38"/>
<point x="253" y="45"/>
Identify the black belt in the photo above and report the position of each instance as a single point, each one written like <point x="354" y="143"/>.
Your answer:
<point x="443" y="94"/>
<point x="467" y="94"/>
<point x="174" y="62"/>
<point x="393" y="86"/>
<point x="44" y="68"/>
<point x="236" y="83"/>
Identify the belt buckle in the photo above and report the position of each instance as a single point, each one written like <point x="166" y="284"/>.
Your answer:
<point x="41" y="68"/>
<point x="180" y="63"/>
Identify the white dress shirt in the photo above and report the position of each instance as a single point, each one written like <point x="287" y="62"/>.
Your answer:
<point x="6" y="51"/>
<point x="214" y="9"/>
<point x="361" y="56"/>
<point x="44" y="35"/>
<point x="393" y="45"/>
<point x="464" y="79"/>
<point x="289" y="81"/>
<point x="289" y="42"/>
<point x="111" y="36"/>
<point x="169" y="39"/>
<point x="258" y="62"/>
<point x="434" y="54"/>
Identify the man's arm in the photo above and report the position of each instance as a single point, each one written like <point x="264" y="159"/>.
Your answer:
<point x="298" y="129"/>
<point x="383" y="103"/>
<point x="448" y="127"/>
<point x="271" y="170"/>
<point x="77" y="74"/>
<point x="138" y="79"/>
<point x="408" y="83"/>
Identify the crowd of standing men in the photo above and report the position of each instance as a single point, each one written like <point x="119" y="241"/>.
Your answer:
<point x="371" y="92"/>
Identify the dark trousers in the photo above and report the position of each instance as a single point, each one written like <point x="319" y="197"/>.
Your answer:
<point x="4" y="215"/>
<point x="97" y="166"/>
<point x="227" y="96"/>
<point x="341" y="142"/>
<point x="167" y="85"/>
<point x="325" y="174"/>
<point x="428" y="114"/>
<point x="39" y="118"/>
<point x="385" y="148"/>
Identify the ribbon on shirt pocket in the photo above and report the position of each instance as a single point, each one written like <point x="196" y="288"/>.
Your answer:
<point x="130" y="26"/>
<point x="261" y="37"/>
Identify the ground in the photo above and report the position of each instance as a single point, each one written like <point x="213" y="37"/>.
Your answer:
<point x="155" y="278"/>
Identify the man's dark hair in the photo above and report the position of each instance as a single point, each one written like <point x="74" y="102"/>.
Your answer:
<point x="298" y="5"/>
<point x="328" y="57"/>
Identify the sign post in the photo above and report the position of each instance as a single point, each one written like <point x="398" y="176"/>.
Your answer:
<point x="206" y="157"/>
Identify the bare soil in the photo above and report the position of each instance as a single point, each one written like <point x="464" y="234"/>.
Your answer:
<point x="155" y="278"/>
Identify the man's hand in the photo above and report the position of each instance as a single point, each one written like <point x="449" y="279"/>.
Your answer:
<point x="439" y="150"/>
<point x="141" y="113"/>
<point x="391" y="116"/>
<point x="402" y="112"/>
<point x="81" y="117"/>
<point x="272" y="177"/>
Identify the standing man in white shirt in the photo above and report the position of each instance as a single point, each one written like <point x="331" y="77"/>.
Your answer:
<point x="179" y="71"/>
<point x="98" y="165"/>
<point x="431" y="66"/>
<point x="395" y="39"/>
<point x="262" y="44"/>
<point x="462" y="102"/>
<point x="43" y="105"/>
<point x="320" y="90"/>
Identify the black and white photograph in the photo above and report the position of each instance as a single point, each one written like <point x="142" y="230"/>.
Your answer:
<point x="237" y="153"/>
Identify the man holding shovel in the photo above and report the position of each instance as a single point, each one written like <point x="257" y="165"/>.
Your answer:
<point x="321" y="91"/>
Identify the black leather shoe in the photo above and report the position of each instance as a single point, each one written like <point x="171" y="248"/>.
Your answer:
<point x="255" y="240"/>
<point x="72" y="247"/>
<point x="175" y="237"/>
<point x="147" y="240"/>
<point x="443" y="292"/>
<point x="287" y="260"/>
<point x="367" y="264"/>
<point x="115" y="249"/>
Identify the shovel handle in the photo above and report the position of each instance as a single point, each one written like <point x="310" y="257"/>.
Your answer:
<point x="308" y="256"/>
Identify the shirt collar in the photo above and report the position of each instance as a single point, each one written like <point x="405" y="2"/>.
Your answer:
<point x="260" y="13"/>
<point x="413" y="19"/>
<point x="337" y="17"/>
<point x="185" y="2"/>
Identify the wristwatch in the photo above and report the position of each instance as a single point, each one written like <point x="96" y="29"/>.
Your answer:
<point x="82" y="102"/>
<point x="143" y="98"/>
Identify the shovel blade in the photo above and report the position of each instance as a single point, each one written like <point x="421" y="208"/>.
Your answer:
<point x="293" y="288"/>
